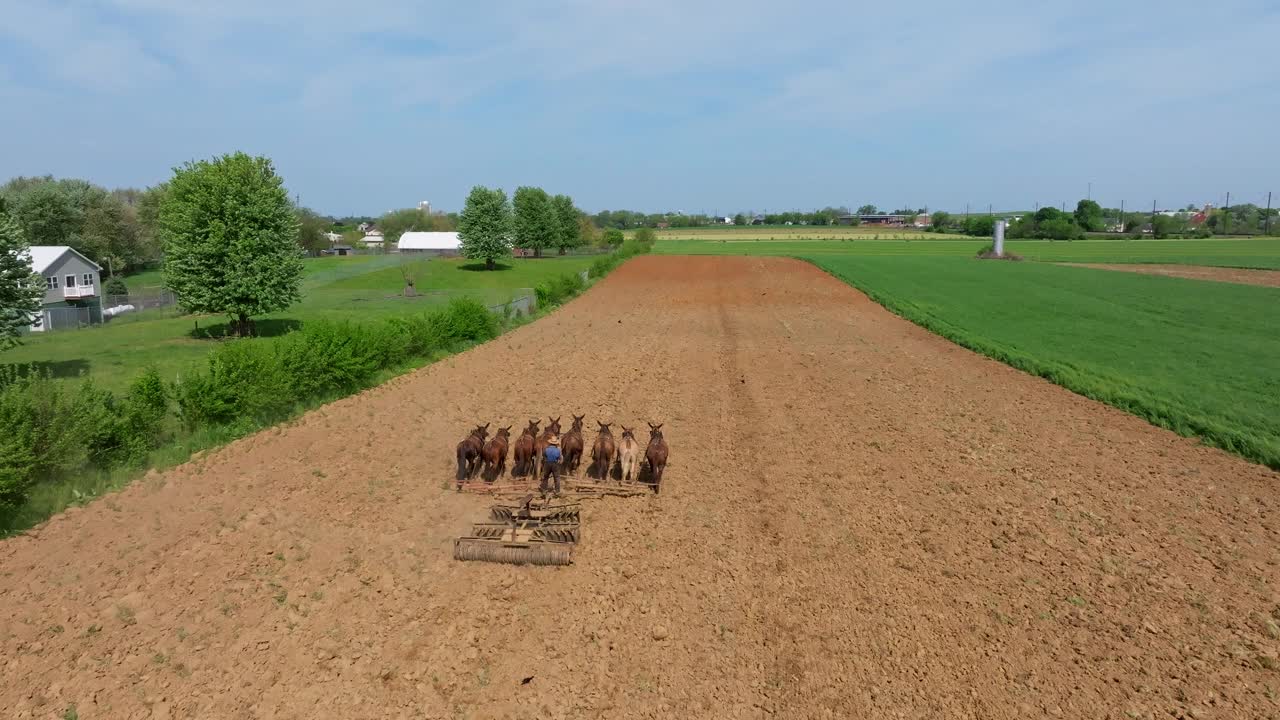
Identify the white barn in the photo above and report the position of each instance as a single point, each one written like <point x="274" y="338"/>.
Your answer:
<point x="439" y="243"/>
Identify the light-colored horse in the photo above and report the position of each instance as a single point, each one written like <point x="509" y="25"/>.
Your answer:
<point x="629" y="455"/>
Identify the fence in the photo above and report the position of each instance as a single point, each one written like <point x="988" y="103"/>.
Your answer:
<point x="142" y="301"/>
<point x="68" y="318"/>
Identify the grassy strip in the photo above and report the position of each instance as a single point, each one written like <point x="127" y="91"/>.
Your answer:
<point x="1193" y="357"/>
<point x="1262" y="253"/>
<point x="60" y="448"/>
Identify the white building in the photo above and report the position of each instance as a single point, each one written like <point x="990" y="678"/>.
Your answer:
<point x="373" y="238"/>
<point x="439" y="243"/>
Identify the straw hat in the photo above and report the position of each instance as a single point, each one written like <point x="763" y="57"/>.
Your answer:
<point x="553" y="440"/>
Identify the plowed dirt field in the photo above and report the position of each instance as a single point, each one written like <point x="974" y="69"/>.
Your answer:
<point x="860" y="520"/>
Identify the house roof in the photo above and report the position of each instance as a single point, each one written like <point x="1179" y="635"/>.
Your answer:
<point x="429" y="241"/>
<point x="42" y="256"/>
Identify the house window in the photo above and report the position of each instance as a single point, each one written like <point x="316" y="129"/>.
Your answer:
<point x="71" y="281"/>
<point x="51" y="282"/>
<point x="86" y="280"/>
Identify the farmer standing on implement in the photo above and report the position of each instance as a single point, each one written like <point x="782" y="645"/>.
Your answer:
<point x="551" y="464"/>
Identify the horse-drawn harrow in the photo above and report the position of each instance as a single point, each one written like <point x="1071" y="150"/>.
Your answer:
<point x="533" y="532"/>
<point x="542" y="531"/>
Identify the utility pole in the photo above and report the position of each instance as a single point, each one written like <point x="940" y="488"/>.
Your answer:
<point x="1153" y="218"/>
<point x="1227" y="217"/>
<point x="988" y="208"/>
<point x="1090" y="195"/>
<point x="1121" y="216"/>
<point x="1266" y="219"/>
<point x="966" y="211"/>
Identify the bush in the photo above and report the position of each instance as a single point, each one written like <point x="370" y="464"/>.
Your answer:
<point x="116" y="286"/>
<point x="146" y="406"/>
<point x="646" y="236"/>
<point x="612" y="236"/>
<point x="244" y="381"/>
<point x="37" y="435"/>
<point x="331" y="356"/>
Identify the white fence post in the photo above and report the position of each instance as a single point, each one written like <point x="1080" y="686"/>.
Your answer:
<point x="999" y="239"/>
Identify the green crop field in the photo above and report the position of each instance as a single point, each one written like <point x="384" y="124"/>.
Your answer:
<point x="355" y="288"/>
<point x="1243" y="253"/>
<point x="1200" y="358"/>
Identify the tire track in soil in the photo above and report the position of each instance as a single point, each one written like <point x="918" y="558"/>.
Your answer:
<point x="860" y="520"/>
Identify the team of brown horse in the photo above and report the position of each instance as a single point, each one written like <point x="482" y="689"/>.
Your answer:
<point x="479" y="455"/>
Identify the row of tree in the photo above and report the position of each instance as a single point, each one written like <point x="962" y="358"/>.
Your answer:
<point x="490" y="225"/>
<point x="1090" y="217"/>
<point x="630" y="219"/>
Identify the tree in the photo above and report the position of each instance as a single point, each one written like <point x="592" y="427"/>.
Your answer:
<point x="739" y="219"/>
<point x="398" y="222"/>
<point x="979" y="226"/>
<point x="102" y="225"/>
<point x="868" y="210"/>
<point x="311" y="230"/>
<point x="588" y="233"/>
<point x="1162" y="226"/>
<point x="1089" y="216"/>
<point x="568" y="233"/>
<point x="231" y="239"/>
<point x="484" y="227"/>
<point x="535" y="221"/>
<point x="21" y="291"/>
<point x="613" y="237"/>
<point x="940" y="220"/>
<point x="646" y="236"/>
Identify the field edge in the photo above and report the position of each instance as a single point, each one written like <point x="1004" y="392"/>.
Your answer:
<point x="1180" y="423"/>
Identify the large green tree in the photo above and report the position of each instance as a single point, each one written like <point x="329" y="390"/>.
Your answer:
<point x="484" y="227"/>
<point x="20" y="289"/>
<point x="535" y="220"/>
<point x="568" y="230"/>
<point x="1089" y="216"/>
<point x="231" y="239"/>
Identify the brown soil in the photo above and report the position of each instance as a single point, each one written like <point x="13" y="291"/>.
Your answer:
<point x="860" y="520"/>
<point x="1265" y="278"/>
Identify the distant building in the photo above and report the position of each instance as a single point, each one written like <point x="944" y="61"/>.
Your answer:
<point x="877" y="219"/>
<point x="333" y="238"/>
<point x="923" y="221"/>
<point x="373" y="238"/>
<point x="757" y="219"/>
<point x="425" y="206"/>
<point x="435" y="243"/>
<point x="364" y="227"/>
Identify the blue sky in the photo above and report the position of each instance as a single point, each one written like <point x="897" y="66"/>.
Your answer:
<point x="660" y="105"/>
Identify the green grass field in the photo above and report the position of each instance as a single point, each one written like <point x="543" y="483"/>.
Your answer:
<point x="1200" y="358"/>
<point x="355" y="288"/>
<point x="1262" y="253"/>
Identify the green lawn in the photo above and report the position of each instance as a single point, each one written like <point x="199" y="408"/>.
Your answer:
<point x="1244" y="253"/>
<point x="355" y="288"/>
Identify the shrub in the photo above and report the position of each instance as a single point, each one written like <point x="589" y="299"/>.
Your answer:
<point x="244" y="381"/>
<point x="328" y="356"/>
<point x="146" y="405"/>
<point x="37" y="435"/>
<point x="98" y="425"/>
<point x="116" y="286"/>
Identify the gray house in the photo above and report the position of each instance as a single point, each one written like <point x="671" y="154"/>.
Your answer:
<point x="71" y="281"/>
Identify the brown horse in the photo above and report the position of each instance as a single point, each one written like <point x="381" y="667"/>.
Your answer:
<point x="469" y="453"/>
<point x="603" y="451"/>
<point x="553" y="428"/>
<point x="656" y="454"/>
<point x="524" y="450"/>
<point x="494" y="454"/>
<point x="571" y="445"/>
<point x="629" y="455"/>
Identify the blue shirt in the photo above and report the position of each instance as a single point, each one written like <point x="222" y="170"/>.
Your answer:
<point x="552" y="453"/>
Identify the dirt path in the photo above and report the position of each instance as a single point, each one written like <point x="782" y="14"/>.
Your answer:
<point x="1242" y="276"/>
<point x="861" y="520"/>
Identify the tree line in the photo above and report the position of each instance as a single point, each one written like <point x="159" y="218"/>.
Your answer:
<point x="490" y="225"/>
